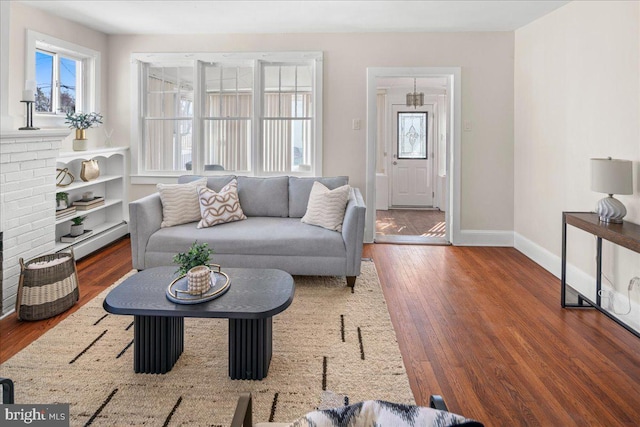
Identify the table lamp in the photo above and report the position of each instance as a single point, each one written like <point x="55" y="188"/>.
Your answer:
<point x="611" y="176"/>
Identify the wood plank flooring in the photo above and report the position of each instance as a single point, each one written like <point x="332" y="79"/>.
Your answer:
<point x="481" y="326"/>
<point x="410" y="222"/>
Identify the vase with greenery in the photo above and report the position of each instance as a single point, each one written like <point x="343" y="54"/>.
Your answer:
<point x="62" y="200"/>
<point x="198" y="254"/>
<point x="77" y="228"/>
<point x="81" y="122"/>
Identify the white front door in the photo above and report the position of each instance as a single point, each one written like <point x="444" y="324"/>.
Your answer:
<point x="412" y="159"/>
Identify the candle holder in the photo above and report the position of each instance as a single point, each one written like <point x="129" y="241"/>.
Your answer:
<point x="29" y="125"/>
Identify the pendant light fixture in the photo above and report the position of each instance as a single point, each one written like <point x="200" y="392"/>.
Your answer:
<point x="415" y="99"/>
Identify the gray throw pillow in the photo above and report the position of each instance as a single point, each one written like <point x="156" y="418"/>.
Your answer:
<point x="264" y="196"/>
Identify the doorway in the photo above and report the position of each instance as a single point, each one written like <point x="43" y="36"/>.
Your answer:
<point x="444" y="171"/>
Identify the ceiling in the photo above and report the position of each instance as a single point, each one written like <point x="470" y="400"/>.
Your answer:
<point x="304" y="16"/>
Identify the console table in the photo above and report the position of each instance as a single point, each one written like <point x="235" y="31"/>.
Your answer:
<point x="626" y="235"/>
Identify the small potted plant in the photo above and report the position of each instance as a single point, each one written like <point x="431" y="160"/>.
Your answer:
<point x="195" y="264"/>
<point x="77" y="228"/>
<point x="62" y="200"/>
<point x="81" y="122"/>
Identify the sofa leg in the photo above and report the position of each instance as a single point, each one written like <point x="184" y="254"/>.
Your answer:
<point x="351" y="282"/>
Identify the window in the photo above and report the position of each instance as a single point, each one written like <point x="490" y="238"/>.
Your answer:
<point x="235" y="113"/>
<point x="58" y="83"/>
<point x="66" y="76"/>
<point x="412" y="135"/>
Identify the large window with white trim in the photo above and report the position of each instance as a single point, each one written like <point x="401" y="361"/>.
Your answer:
<point x="247" y="114"/>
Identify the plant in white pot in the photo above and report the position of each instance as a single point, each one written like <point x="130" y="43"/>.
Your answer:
<point x="77" y="226"/>
<point x="81" y="122"/>
<point x="62" y="200"/>
<point x="195" y="264"/>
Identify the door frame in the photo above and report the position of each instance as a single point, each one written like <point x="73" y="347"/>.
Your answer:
<point x="452" y="197"/>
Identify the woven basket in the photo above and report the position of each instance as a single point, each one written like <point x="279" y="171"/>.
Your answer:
<point x="46" y="291"/>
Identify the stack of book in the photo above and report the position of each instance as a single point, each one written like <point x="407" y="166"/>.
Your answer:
<point x="66" y="213"/>
<point x="86" y="204"/>
<point x="71" y="239"/>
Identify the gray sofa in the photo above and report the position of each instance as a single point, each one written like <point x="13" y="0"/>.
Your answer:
<point x="272" y="236"/>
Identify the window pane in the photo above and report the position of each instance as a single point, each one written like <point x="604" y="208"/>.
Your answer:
<point x="44" y="81"/>
<point x="286" y="145"/>
<point x="168" y="145"/>
<point x="412" y="135"/>
<point x="68" y="85"/>
<point x="227" y="144"/>
<point x="235" y="99"/>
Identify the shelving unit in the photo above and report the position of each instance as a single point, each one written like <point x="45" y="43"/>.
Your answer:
<point x="109" y="221"/>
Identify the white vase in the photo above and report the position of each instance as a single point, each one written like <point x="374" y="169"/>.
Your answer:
<point x="77" y="230"/>
<point x="79" y="145"/>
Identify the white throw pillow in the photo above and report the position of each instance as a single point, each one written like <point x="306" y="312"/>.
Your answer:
<point x="326" y="207"/>
<point x="180" y="202"/>
<point x="218" y="208"/>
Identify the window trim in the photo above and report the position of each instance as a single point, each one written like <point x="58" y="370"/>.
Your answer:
<point x="139" y="176"/>
<point x="91" y="64"/>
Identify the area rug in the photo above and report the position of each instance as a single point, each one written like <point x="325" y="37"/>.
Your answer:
<point x="329" y="342"/>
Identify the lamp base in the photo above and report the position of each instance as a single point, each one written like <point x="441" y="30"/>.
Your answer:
<point x="611" y="210"/>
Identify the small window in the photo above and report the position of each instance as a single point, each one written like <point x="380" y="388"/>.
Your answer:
<point x="58" y="83"/>
<point x="412" y="135"/>
<point x="66" y="76"/>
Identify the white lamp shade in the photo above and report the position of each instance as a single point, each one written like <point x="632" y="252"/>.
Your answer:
<point x="612" y="176"/>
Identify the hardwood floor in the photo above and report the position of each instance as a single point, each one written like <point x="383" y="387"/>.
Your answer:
<point x="481" y="326"/>
<point x="410" y="222"/>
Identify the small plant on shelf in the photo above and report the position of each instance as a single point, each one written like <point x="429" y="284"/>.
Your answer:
<point x="83" y="120"/>
<point x="198" y="254"/>
<point x="78" y="220"/>
<point x="62" y="200"/>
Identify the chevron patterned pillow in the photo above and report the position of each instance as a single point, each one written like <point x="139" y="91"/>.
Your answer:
<point x="326" y="207"/>
<point x="180" y="202"/>
<point x="218" y="208"/>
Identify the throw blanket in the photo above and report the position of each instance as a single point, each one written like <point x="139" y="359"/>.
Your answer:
<point x="379" y="413"/>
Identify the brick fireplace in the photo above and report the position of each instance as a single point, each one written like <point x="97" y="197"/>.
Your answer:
<point x="27" y="200"/>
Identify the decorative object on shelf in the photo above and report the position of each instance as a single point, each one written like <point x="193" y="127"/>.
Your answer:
<point x="198" y="254"/>
<point x="29" y="98"/>
<point x="64" y="178"/>
<point x="87" y="195"/>
<point x="62" y="201"/>
<point x="198" y="280"/>
<point x="178" y="291"/>
<point x="611" y="176"/>
<point x="107" y="140"/>
<point x="48" y="286"/>
<point x="77" y="228"/>
<point x="415" y="99"/>
<point x="80" y="122"/>
<point x="90" y="170"/>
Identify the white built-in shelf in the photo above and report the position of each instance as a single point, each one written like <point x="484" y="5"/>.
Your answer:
<point x="108" y="222"/>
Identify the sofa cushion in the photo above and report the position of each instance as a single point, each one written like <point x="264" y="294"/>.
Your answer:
<point x="180" y="202"/>
<point x="300" y="188"/>
<point x="219" y="207"/>
<point x="253" y="236"/>
<point x="326" y="207"/>
<point x="264" y="196"/>
<point x="213" y="182"/>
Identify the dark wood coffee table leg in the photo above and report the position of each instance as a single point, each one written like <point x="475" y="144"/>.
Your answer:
<point x="158" y="343"/>
<point x="249" y="348"/>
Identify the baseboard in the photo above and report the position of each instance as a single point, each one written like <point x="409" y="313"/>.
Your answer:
<point x="484" y="238"/>
<point x="579" y="280"/>
<point x="7" y="313"/>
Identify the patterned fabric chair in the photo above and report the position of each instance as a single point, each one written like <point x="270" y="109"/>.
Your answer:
<point x="368" y="413"/>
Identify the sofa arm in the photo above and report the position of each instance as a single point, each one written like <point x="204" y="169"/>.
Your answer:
<point x="353" y="231"/>
<point x="145" y="217"/>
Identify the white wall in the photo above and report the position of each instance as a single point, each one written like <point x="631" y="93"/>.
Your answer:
<point x="23" y="18"/>
<point x="487" y="100"/>
<point x="577" y="96"/>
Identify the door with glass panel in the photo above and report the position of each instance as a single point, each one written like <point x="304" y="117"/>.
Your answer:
<point x="412" y="160"/>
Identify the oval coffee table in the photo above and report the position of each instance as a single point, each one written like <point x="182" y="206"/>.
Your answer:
<point x="254" y="297"/>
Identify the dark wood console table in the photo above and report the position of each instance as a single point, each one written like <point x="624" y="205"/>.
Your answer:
<point x="626" y="235"/>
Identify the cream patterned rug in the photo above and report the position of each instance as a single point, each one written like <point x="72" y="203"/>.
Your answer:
<point x="328" y="340"/>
